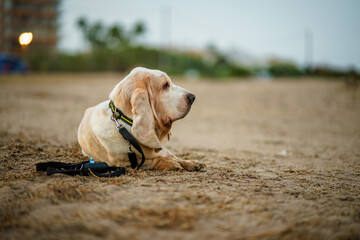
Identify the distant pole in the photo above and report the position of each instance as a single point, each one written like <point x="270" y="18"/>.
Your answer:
<point x="165" y="35"/>
<point x="308" y="46"/>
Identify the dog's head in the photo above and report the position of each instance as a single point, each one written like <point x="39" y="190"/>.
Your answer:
<point x="154" y="103"/>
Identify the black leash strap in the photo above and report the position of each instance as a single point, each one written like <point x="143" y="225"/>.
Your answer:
<point x="117" y="114"/>
<point x="99" y="169"/>
<point x="131" y="140"/>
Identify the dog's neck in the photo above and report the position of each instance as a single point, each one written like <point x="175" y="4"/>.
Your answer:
<point x="122" y="102"/>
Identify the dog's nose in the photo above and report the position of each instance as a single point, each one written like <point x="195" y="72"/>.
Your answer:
<point x="190" y="97"/>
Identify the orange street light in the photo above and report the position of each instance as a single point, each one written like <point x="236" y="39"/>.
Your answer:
<point x="25" y="38"/>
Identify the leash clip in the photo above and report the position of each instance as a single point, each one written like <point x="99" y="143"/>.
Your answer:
<point x="118" y="125"/>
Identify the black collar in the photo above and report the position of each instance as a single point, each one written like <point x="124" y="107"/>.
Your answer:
<point x="119" y="114"/>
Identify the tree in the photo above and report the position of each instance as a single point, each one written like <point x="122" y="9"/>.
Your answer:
<point x="100" y="36"/>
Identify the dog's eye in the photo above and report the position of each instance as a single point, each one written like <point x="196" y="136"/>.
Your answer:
<point x="166" y="86"/>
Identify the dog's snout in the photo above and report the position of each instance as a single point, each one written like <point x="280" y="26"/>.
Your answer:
<point x="190" y="98"/>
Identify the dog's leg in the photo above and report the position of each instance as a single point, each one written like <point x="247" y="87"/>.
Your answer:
<point x="163" y="163"/>
<point x="187" y="164"/>
<point x="173" y="163"/>
<point x="168" y="161"/>
<point x="191" y="165"/>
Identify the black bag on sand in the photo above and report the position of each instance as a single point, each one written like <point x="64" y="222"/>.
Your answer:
<point x="98" y="169"/>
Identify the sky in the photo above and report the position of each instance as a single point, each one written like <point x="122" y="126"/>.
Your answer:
<point x="258" y="28"/>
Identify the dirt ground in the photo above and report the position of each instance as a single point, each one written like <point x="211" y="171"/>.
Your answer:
<point x="283" y="162"/>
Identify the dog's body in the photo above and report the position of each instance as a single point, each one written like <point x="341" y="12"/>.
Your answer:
<point x="154" y="103"/>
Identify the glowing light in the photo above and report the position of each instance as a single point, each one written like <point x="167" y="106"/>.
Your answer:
<point x="25" y="38"/>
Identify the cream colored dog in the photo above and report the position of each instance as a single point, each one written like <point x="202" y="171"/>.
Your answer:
<point x="154" y="103"/>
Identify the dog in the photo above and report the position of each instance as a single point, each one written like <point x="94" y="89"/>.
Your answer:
<point x="153" y="102"/>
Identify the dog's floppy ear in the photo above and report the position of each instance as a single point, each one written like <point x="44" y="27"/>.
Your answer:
<point x="143" y="127"/>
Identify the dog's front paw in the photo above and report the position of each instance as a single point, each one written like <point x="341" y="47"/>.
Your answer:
<point x="167" y="164"/>
<point x="192" y="165"/>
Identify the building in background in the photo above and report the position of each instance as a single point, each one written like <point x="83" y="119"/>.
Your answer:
<point x="37" y="16"/>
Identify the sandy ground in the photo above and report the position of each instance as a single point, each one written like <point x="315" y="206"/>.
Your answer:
<point x="283" y="162"/>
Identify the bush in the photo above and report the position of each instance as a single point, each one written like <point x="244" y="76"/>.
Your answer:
<point x="123" y="59"/>
<point x="283" y="69"/>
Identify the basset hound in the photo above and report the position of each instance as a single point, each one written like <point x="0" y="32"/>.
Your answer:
<point x="153" y="102"/>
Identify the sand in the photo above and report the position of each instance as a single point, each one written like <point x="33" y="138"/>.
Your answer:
<point x="283" y="162"/>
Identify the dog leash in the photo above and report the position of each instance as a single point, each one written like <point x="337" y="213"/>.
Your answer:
<point x="98" y="169"/>
<point x="117" y="114"/>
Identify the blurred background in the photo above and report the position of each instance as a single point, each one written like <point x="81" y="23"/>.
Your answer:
<point x="193" y="38"/>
